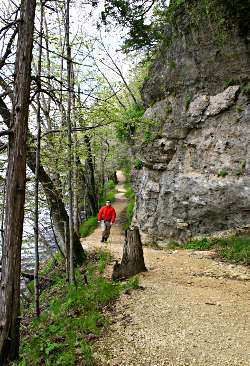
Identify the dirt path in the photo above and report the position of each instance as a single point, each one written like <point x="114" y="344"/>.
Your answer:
<point x="115" y="241"/>
<point x="193" y="311"/>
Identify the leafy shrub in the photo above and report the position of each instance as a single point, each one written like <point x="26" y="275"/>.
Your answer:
<point x="148" y="135"/>
<point x="104" y="259"/>
<point x="110" y="184"/>
<point x="130" y="194"/>
<point x="138" y="164"/>
<point x="87" y="227"/>
<point x="110" y="196"/>
<point x="108" y="192"/>
<point x="130" y="121"/>
<point x="59" y="338"/>
<point x="203" y="244"/>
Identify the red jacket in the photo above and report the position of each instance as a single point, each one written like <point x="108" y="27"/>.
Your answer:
<point x="107" y="213"/>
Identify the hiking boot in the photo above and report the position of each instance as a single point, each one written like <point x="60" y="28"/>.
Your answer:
<point x="102" y="240"/>
<point x="105" y="239"/>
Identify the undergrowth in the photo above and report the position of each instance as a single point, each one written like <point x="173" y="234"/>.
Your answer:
<point x="88" y="227"/>
<point x="71" y="316"/>
<point x="108" y="192"/>
<point x="234" y="249"/>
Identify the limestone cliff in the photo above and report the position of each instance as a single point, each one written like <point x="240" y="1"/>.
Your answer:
<point x="195" y="178"/>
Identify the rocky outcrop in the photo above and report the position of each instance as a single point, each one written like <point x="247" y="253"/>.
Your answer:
<point x="196" y="168"/>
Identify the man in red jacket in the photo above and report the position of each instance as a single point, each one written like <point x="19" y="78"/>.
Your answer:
<point x="107" y="214"/>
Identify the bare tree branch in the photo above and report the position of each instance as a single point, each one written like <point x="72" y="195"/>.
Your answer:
<point x="8" y="49"/>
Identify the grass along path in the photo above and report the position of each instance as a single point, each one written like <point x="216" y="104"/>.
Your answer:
<point x="115" y="240"/>
<point x="193" y="311"/>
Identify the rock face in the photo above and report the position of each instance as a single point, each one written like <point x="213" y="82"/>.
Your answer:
<point x="196" y="169"/>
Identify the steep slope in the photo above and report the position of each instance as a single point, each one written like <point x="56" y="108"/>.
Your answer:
<point x="195" y="177"/>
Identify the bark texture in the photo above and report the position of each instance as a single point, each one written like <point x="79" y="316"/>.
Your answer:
<point x="195" y="174"/>
<point x="58" y="211"/>
<point x="90" y="168"/>
<point x="132" y="259"/>
<point x="15" y="192"/>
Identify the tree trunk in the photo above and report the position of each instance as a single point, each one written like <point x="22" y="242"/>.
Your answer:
<point x="132" y="259"/>
<point x="85" y="189"/>
<point x="90" y="166"/>
<point x="54" y="198"/>
<point x="38" y="153"/>
<point x="15" y="192"/>
<point x="58" y="211"/>
<point x="76" y="216"/>
<point x="70" y="155"/>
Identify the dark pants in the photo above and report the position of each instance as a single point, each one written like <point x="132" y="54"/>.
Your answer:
<point x="106" y="231"/>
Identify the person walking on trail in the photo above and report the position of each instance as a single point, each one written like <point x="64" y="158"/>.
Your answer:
<point x="107" y="214"/>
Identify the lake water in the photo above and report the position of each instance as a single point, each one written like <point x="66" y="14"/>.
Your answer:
<point x="28" y="249"/>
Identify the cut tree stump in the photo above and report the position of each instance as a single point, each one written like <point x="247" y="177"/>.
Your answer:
<point x="132" y="259"/>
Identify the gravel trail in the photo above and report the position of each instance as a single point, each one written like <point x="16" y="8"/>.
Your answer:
<point x="193" y="310"/>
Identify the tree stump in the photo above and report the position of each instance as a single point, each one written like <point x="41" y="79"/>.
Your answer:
<point x="132" y="259"/>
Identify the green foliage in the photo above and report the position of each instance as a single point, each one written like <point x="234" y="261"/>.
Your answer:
<point x="246" y="90"/>
<point x="188" y="100"/>
<point x="30" y="287"/>
<point x="172" y="65"/>
<point x="87" y="227"/>
<point x="108" y="193"/>
<point x="168" y="109"/>
<point x="222" y="173"/>
<point x="230" y="82"/>
<point x="133" y="15"/>
<point x="110" y="184"/>
<point x="221" y="17"/>
<point x="104" y="259"/>
<point x="130" y="120"/>
<point x="177" y="3"/>
<point x="60" y="337"/>
<point x="49" y="265"/>
<point x="110" y="196"/>
<point x="148" y="136"/>
<point x="138" y="164"/>
<point x="243" y="164"/>
<point x="130" y="212"/>
<point x="242" y="168"/>
<point x="239" y="109"/>
<point x="130" y="194"/>
<point x="110" y="190"/>
<point x="202" y="244"/>
<point x="234" y="249"/>
<point x="133" y="283"/>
